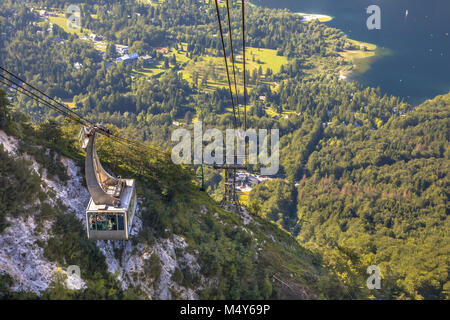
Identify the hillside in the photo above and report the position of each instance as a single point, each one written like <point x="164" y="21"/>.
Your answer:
<point x="363" y="175"/>
<point x="199" y="251"/>
<point x="375" y="197"/>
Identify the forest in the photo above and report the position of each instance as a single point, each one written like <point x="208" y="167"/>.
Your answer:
<point x="375" y="197"/>
<point x="241" y="261"/>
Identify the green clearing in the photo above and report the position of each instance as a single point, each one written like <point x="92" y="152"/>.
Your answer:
<point x="150" y="72"/>
<point x="212" y="68"/>
<point x="271" y="112"/>
<point x="243" y="197"/>
<point x="61" y="21"/>
<point x="100" y="46"/>
<point x="69" y="103"/>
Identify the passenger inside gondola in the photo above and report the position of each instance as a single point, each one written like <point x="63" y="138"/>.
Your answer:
<point x="92" y="222"/>
<point x="112" y="225"/>
<point x="107" y="222"/>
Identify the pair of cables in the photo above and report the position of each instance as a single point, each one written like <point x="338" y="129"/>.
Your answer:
<point x="237" y="123"/>
<point x="10" y="80"/>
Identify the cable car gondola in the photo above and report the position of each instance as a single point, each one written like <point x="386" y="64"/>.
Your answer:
<point x="110" y="211"/>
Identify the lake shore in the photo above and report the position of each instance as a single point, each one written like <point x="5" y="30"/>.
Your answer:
<point x="315" y="16"/>
<point x="361" y="55"/>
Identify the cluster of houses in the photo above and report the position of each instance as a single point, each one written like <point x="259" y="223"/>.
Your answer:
<point x="45" y="13"/>
<point x="125" y="57"/>
<point x="96" y="37"/>
<point x="247" y="181"/>
<point x="129" y="58"/>
<point x="121" y="50"/>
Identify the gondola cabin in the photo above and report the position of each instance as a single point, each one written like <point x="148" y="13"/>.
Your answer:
<point x="111" y="209"/>
<point x="112" y="222"/>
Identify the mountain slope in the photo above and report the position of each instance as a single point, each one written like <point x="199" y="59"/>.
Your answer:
<point x="183" y="245"/>
<point x="378" y="197"/>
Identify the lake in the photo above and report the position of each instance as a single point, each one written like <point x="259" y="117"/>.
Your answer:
<point x="416" y="32"/>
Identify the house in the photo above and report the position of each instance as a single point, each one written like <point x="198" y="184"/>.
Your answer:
<point x="262" y="98"/>
<point x="77" y="65"/>
<point x="128" y="58"/>
<point x="176" y="123"/>
<point x="162" y="50"/>
<point x="326" y="124"/>
<point x="95" y="37"/>
<point x="147" y="59"/>
<point x="122" y="50"/>
<point x="245" y="182"/>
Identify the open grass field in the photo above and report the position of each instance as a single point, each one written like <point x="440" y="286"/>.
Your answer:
<point x="267" y="58"/>
<point x="69" y="103"/>
<point x="213" y="68"/>
<point x="156" y="71"/>
<point x="243" y="197"/>
<point x="61" y="21"/>
<point x="100" y="46"/>
<point x="271" y="112"/>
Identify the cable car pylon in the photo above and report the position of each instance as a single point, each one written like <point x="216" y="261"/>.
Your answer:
<point x="230" y="196"/>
